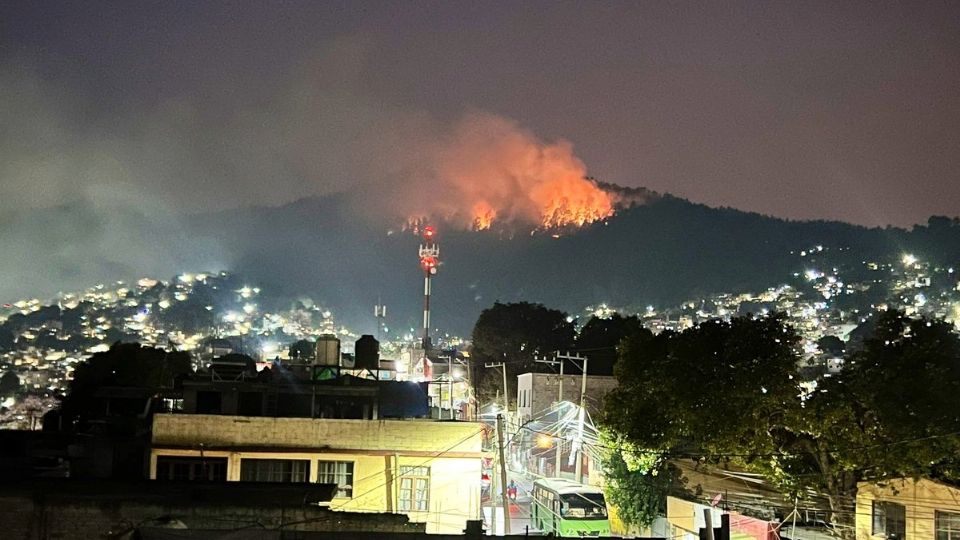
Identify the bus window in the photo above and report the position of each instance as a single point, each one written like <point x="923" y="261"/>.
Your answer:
<point x="583" y="506"/>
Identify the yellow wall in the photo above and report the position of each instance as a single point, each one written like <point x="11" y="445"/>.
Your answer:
<point x="921" y="499"/>
<point x="375" y="447"/>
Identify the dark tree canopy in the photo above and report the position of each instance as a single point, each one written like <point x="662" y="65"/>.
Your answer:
<point x="713" y="391"/>
<point x="515" y="334"/>
<point x="894" y="410"/>
<point x="600" y="338"/>
<point x="303" y="349"/>
<point x="9" y="384"/>
<point x="831" y="345"/>
<point x="125" y="364"/>
<point x="727" y="391"/>
<point x="716" y="388"/>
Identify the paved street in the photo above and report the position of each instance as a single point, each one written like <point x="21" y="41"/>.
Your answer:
<point x="519" y="509"/>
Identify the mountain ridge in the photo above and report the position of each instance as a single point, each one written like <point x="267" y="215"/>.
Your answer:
<point x="664" y="251"/>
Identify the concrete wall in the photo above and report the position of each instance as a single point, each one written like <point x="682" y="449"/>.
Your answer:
<point x="377" y="449"/>
<point x="190" y="430"/>
<point x="921" y="499"/>
<point x="53" y="516"/>
<point x="542" y="389"/>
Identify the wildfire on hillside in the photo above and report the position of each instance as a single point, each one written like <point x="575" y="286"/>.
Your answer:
<point x="492" y="173"/>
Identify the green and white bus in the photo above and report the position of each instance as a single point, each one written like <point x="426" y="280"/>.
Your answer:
<point x="565" y="508"/>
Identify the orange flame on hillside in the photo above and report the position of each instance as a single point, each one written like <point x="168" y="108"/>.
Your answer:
<point x="483" y="216"/>
<point x="490" y="170"/>
<point x="571" y="202"/>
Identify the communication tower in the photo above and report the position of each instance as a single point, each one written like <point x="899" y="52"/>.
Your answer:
<point x="429" y="261"/>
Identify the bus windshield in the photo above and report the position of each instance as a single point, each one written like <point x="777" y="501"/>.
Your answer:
<point x="583" y="506"/>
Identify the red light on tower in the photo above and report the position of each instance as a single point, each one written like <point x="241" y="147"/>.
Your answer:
<point x="428" y="233"/>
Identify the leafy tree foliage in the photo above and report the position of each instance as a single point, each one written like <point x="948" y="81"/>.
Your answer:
<point x="893" y="411"/>
<point x="712" y="388"/>
<point x="515" y="334"/>
<point x="303" y="349"/>
<point x="9" y="384"/>
<point x="125" y="364"/>
<point x="600" y="338"/>
<point x="831" y="345"/>
<point x="717" y="389"/>
<point x="728" y="392"/>
<point x="637" y="481"/>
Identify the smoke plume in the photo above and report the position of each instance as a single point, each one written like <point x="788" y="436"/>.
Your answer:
<point x="488" y="169"/>
<point x="90" y="192"/>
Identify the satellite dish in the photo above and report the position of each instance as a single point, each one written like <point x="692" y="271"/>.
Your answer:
<point x="716" y="500"/>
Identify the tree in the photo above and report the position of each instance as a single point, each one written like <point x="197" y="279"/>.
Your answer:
<point x="9" y="384"/>
<point x="124" y="364"/>
<point x="303" y="349"/>
<point x="515" y="334"/>
<point x="716" y="390"/>
<point x="7" y="339"/>
<point x="728" y="392"/>
<point x="637" y="482"/>
<point x="831" y="345"/>
<point x="600" y="338"/>
<point x="709" y="389"/>
<point x="891" y="412"/>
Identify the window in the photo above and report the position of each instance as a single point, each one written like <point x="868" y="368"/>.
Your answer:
<point x="948" y="525"/>
<point x="339" y="473"/>
<point x="889" y="520"/>
<point x="274" y="470"/>
<point x="191" y="468"/>
<point x="414" y="489"/>
<point x="583" y="506"/>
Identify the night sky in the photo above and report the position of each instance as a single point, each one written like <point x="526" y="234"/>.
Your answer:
<point x="840" y="110"/>
<point x="803" y="110"/>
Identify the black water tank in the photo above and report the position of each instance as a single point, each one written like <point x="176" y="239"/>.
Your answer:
<point x="367" y="353"/>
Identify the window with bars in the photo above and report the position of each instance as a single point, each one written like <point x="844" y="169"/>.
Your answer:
<point x="414" y="489"/>
<point x="339" y="473"/>
<point x="889" y="520"/>
<point x="275" y="470"/>
<point x="948" y="525"/>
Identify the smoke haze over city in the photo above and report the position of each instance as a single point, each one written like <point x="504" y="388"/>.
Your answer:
<point x="121" y="119"/>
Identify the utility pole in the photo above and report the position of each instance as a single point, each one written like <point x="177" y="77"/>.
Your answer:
<point x="503" y="478"/>
<point x="557" y="441"/>
<point x="578" y="446"/>
<point x="503" y="366"/>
